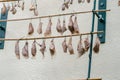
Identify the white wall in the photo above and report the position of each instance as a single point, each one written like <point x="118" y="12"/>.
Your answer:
<point x="63" y="66"/>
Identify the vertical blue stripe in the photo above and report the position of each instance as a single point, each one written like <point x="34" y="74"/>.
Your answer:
<point x="3" y="28"/>
<point x="91" y="42"/>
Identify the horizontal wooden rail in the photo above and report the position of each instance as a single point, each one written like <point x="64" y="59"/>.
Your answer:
<point x="54" y="15"/>
<point x="7" y="0"/>
<point x="49" y="37"/>
<point x="88" y="79"/>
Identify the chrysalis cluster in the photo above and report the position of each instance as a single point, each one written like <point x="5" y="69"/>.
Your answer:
<point x="67" y="47"/>
<point x="66" y="4"/>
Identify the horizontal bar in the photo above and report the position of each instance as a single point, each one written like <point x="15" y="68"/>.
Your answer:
<point x="55" y="15"/>
<point x="49" y="37"/>
<point x="89" y="79"/>
<point x="8" y="0"/>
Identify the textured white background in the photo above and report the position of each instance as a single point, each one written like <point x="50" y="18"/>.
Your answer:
<point x="63" y="66"/>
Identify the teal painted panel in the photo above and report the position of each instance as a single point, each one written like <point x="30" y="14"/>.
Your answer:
<point x="3" y="28"/>
<point x="102" y="24"/>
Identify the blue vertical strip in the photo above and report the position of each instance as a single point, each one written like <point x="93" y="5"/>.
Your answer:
<point x="91" y="42"/>
<point x="3" y="28"/>
<point x="102" y="25"/>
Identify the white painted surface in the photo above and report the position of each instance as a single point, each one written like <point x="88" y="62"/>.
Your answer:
<point x="64" y="66"/>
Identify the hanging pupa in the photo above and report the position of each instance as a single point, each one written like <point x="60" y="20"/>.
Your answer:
<point x="17" y="50"/>
<point x="14" y="11"/>
<point x="52" y="48"/>
<point x="86" y="43"/>
<point x="63" y="7"/>
<point x="48" y="29"/>
<point x="118" y="2"/>
<point x="64" y="27"/>
<point x="58" y="26"/>
<point x="18" y="4"/>
<point x="36" y="12"/>
<point x="76" y="28"/>
<point x="66" y="3"/>
<point x="32" y="7"/>
<point x="30" y="29"/>
<point x="43" y="48"/>
<point x="39" y="30"/>
<point x="96" y="45"/>
<point x="70" y="47"/>
<point x="70" y="25"/>
<point x="88" y="1"/>
<point x="33" y="49"/>
<point x="4" y="9"/>
<point x="64" y="46"/>
<point x="80" y="48"/>
<point x="22" y="6"/>
<point x="25" y="52"/>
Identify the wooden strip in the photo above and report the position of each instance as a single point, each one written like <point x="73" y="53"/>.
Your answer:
<point x="88" y="79"/>
<point x="49" y="37"/>
<point x="54" y="15"/>
<point x="7" y="0"/>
